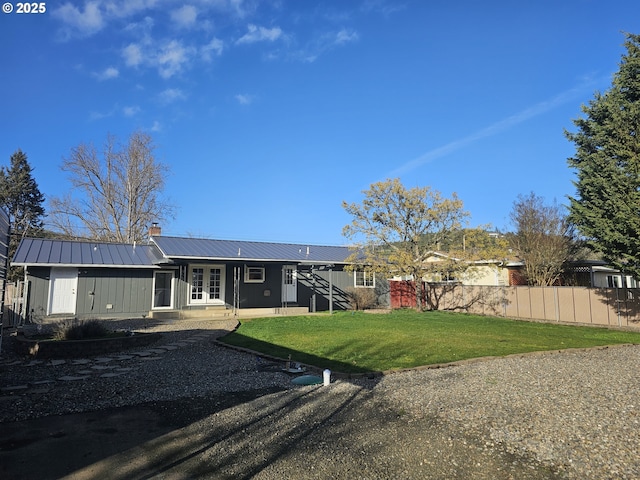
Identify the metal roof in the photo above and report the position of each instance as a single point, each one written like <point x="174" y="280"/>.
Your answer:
<point x="207" y="249"/>
<point x="45" y="252"/>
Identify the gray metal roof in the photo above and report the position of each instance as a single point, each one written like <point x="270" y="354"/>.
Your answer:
<point x="45" y="252"/>
<point x="206" y="249"/>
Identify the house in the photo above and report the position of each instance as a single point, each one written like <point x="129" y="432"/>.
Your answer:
<point x="173" y="276"/>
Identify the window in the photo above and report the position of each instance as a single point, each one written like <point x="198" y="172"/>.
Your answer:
<point x="253" y="274"/>
<point x="613" y="281"/>
<point x="364" y="279"/>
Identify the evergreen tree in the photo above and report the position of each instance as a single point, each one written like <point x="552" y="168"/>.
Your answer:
<point x="606" y="208"/>
<point x="22" y="200"/>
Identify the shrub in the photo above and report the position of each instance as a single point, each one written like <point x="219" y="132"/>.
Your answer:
<point x="80" y="330"/>
<point x="362" y="298"/>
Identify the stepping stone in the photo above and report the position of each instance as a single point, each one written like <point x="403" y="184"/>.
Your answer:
<point x="33" y="363"/>
<point x="151" y="358"/>
<point x="143" y="354"/>
<point x="55" y="363"/>
<point x="110" y="375"/>
<point x="157" y="350"/>
<point x="123" y="370"/>
<point x="80" y="361"/>
<point x="86" y="372"/>
<point x="103" y="367"/>
<point x="43" y="382"/>
<point x="12" y="363"/>
<point x="180" y="344"/>
<point x="103" y="359"/>
<point x="14" y="388"/>
<point x="124" y="357"/>
<point x="69" y="378"/>
<point x="168" y="347"/>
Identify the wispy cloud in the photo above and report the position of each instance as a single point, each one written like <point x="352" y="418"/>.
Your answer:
<point x="171" y="95"/>
<point x="107" y="74"/>
<point x="260" y="34"/>
<point x="131" y="111"/>
<point x="498" y="127"/>
<point x="80" y="21"/>
<point x="214" y="47"/>
<point x="185" y="16"/>
<point x="172" y="58"/>
<point x="244" y="98"/>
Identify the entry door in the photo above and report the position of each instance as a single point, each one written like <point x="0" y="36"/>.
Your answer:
<point x="63" y="283"/>
<point x="207" y="285"/>
<point x="289" y="284"/>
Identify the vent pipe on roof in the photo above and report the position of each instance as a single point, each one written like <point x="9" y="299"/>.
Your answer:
<point x="307" y="250"/>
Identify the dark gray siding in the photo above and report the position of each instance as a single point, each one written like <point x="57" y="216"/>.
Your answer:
<point x="316" y="281"/>
<point x="38" y="278"/>
<point x="126" y="292"/>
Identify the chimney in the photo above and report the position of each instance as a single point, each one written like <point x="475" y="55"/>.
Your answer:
<point x="155" y="230"/>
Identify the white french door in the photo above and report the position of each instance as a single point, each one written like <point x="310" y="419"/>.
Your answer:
<point x="207" y="285"/>
<point x="289" y="284"/>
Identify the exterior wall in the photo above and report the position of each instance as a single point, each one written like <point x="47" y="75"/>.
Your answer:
<point x="311" y="281"/>
<point x="128" y="292"/>
<point x="486" y="275"/>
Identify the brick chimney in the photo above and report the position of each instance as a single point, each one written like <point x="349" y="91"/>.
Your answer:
<point x="155" y="230"/>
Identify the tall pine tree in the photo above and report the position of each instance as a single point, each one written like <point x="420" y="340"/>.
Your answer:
<point x="606" y="208"/>
<point x="22" y="200"/>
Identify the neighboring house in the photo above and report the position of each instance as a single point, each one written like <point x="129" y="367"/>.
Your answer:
<point x="174" y="275"/>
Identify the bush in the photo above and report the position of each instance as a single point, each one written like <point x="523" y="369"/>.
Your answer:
<point x="362" y="298"/>
<point x="80" y="330"/>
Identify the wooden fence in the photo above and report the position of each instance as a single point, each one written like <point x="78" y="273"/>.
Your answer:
<point x="615" y="307"/>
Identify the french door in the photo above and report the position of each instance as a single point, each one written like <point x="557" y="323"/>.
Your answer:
<point x="207" y="285"/>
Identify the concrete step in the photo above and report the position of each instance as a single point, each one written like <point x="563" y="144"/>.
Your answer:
<point x="222" y="312"/>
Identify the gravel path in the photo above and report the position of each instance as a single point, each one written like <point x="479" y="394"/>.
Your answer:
<point x="222" y="414"/>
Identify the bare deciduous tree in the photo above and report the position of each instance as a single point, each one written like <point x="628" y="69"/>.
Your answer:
<point x="544" y="239"/>
<point x="114" y="197"/>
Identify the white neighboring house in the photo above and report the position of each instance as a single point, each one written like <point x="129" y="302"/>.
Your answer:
<point x="480" y="272"/>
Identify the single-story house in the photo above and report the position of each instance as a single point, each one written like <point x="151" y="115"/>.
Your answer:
<point x="176" y="275"/>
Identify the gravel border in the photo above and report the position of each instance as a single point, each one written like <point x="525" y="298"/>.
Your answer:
<point x="570" y="414"/>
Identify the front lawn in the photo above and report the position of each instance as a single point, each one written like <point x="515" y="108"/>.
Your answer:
<point x="362" y="342"/>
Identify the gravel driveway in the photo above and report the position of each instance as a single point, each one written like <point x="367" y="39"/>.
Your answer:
<point x="188" y="408"/>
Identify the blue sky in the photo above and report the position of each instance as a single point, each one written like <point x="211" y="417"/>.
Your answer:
<point x="271" y="113"/>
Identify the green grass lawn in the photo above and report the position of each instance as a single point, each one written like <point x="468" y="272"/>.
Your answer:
<point x="362" y="342"/>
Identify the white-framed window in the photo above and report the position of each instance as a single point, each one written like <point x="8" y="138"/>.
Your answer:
<point x="253" y="274"/>
<point x="364" y="279"/>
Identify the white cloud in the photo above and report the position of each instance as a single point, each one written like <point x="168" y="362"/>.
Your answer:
<point x="172" y="58"/>
<point x="131" y="111"/>
<point x="107" y="74"/>
<point x="244" y="98"/>
<point x="185" y="16"/>
<point x="215" y="46"/>
<point x="171" y="95"/>
<point x="345" y="36"/>
<point x="260" y="34"/>
<point x="132" y="55"/>
<point x="156" y="127"/>
<point x="84" y="22"/>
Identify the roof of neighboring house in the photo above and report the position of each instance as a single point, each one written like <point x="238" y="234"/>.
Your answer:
<point x="67" y="253"/>
<point x="207" y="249"/>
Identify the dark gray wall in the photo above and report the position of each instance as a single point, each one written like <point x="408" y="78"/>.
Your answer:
<point x="129" y="292"/>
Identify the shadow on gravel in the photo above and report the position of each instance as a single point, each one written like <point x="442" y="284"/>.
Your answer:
<point x="339" y="432"/>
